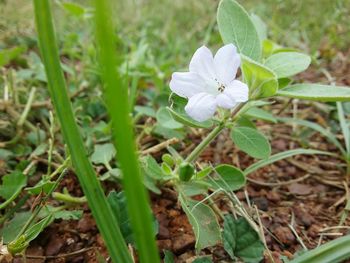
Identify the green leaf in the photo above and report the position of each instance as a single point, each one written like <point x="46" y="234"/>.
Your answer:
<point x="316" y="92"/>
<point x="236" y="27"/>
<point x="103" y="153"/>
<point x="286" y="64"/>
<point x="251" y="142"/>
<point x="11" y="187"/>
<point x="284" y="82"/>
<point x="118" y="203"/>
<point x="195" y="187"/>
<point x="10" y="229"/>
<point x="260" y="26"/>
<point x="203" y="260"/>
<point x="257" y="113"/>
<point x="333" y="251"/>
<point x="7" y="55"/>
<point x="241" y="240"/>
<point x="183" y="118"/>
<point x="204" y="223"/>
<point x="152" y="168"/>
<point x="147" y="111"/>
<point x="43" y="185"/>
<point x="262" y="82"/>
<point x="168" y="257"/>
<point x="32" y="232"/>
<point x="168" y="133"/>
<point x="280" y="156"/>
<point x="227" y="177"/>
<point x="12" y="183"/>
<point x="165" y="119"/>
<point x="73" y="8"/>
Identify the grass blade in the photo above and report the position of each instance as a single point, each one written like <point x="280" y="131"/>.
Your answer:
<point x="116" y="97"/>
<point x="314" y="126"/>
<point x="280" y="156"/>
<point x="101" y="211"/>
<point x="344" y="127"/>
<point x="334" y="251"/>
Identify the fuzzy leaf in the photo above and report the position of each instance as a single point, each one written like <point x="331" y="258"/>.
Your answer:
<point x="251" y="142"/>
<point x="236" y="26"/>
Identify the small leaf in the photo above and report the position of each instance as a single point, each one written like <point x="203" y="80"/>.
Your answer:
<point x="260" y="114"/>
<point x="228" y="177"/>
<point x="103" y="153"/>
<point x="240" y="240"/>
<point x="195" y="187"/>
<point x="262" y="82"/>
<point x="286" y="64"/>
<point x="316" y="92"/>
<point x="152" y="168"/>
<point x="11" y="228"/>
<point x="168" y="133"/>
<point x="251" y="142"/>
<point x="204" y="223"/>
<point x="236" y="27"/>
<point x="7" y="55"/>
<point x="147" y="111"/>
<point x="168" y="257"/>
<point x="203" y="260"/>
<point x="12" y="184"/>
<point x="117" y="201"/>
<point x="73" y="8"/>
<point x="165" y="119"/>
<point x="32" y="232"/>
<point x="186" y="120"/>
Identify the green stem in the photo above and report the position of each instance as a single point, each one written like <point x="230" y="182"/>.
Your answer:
<point x="200" y="147"/>
<point x="98" y="204"/>
<point x="117" y="101"/>
<point x="212" y="135"/>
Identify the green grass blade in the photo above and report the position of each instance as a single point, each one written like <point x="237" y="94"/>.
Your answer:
<point x="104" y="217"/>
<point x="334" y="251"/>
<point x="116" y="96"/>
<point x="344" y="127"/>
<point x="328" y="134"/>
<point x="279" y="156"/>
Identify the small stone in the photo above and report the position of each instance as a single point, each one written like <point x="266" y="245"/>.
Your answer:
<point x="261" y="202"/>
<point x="164" y="244"/>
<point x="86" y="223"/>
<point x="285" y="235"/>
<point x="183" y="242"/>
<point x="299" y="189"/>
<point x="54" y="246"/>
<point x="163" y="232"/>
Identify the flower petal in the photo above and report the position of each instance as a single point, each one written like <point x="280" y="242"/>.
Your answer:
<point x="202" y="63"/>
<point x="186" y="84"/>
<point x="227" y="62"/>
<point x="201" y="106"/>
<point x="225" y="101"/>
<point x="237" y="90"/>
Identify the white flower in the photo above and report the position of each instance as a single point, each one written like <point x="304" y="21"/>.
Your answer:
<point x="210" y="82"/>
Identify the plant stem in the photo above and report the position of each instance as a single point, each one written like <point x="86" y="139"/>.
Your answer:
<point x="200" y="147"/>
<point x="211" y="136"/>
<point x="117" y="101"/>
<point x="102" y="212"/>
